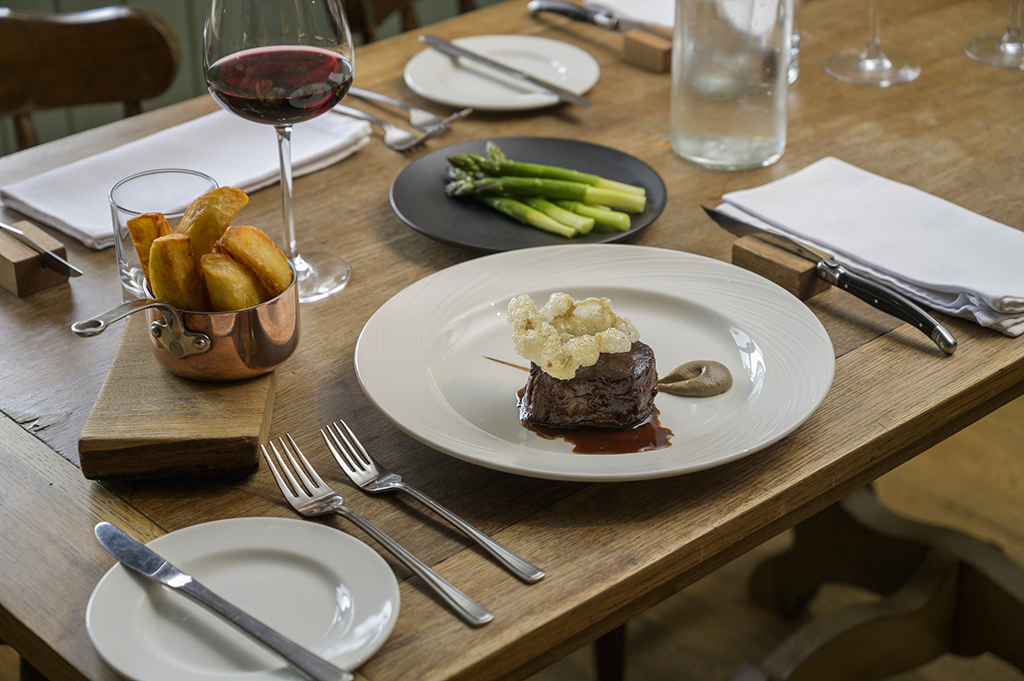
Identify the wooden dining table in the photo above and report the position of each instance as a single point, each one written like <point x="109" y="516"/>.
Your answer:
<point x="611" y="549"/>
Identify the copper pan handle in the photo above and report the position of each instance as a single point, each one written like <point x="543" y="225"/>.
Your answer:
<point x="171" y="334"/>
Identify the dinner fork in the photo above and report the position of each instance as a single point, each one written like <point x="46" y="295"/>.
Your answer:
<point x="395" y="138"/>
<point x="313" y="497"/>
<point x="418" y="118"/>
<point x="368" y="474"/>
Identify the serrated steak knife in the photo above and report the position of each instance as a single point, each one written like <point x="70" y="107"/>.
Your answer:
<point x="876" y="295"/>
<point x="136" y="556"/>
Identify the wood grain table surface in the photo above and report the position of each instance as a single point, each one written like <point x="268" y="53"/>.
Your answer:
<point x="611" y="550"/>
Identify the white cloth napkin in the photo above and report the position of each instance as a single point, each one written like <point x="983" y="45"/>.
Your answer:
<point x="647" y="11"/>
<point x="235" y="152"/>
<point x="933" y="251"/>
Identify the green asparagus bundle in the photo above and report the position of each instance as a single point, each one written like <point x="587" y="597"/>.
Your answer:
<point x="558" y="200"/>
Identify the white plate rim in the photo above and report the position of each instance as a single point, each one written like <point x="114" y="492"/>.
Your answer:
<point x="118" y="593"/>
<point x="393" y="353"/>
<point x="424" y="72"/>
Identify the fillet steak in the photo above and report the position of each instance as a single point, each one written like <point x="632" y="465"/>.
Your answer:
<point x="616" y="392"/>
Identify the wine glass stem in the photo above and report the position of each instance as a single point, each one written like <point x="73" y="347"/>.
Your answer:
<point x="1013" y="26"/>
<point x="284" y="148"/>
<point x="874" y="47"/>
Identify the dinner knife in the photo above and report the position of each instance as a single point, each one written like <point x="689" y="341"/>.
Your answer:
<point x="49" y="258"/>
<point x="136" y="556"/>
<point x="605" y="19"/>
<point x="827" y="268"/>
<point x="455" y="51"/>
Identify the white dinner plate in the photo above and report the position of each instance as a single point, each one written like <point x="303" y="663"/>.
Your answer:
<point x="425" y="358"/>
<point x="323" y="589"/>
<point x="461" y="82"/>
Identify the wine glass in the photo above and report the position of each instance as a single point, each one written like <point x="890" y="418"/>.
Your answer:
<point x="281" y="62"/>
<point x="872" y="66"/>
<point x="1005" y="50"/>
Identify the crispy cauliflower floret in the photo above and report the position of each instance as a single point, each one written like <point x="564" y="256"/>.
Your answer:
<point x="567" y="334"/>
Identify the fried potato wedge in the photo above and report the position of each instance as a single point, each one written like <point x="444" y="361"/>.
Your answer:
<point x="174" y="277"/>
<point x="254" y="249"/>
<point x="208" y="216"/>
<point x="231" y="285"/>
<point x="144" y="229"/>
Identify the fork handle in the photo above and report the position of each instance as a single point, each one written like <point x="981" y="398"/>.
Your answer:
<point x="468" y="609"/>
<point x="523" y="569"/>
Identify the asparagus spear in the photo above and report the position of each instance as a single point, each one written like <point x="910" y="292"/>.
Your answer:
<point x="549" y="189"/>
<point x="526" y="215"/>
<point x="600" y="215"/>
<point x="580" y="223"/>
<point x="502" y="167"/>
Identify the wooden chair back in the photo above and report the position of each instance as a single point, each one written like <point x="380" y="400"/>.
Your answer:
<point x="112" y="54"/>
<point x="366" y="16"/>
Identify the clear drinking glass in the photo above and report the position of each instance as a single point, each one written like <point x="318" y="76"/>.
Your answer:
<point x="1005" y="50"/>
<point x="165" y="190"/>
<point x="872" y="66"/>
<point x="281" y="62"/>
<point x="730" y="80"/>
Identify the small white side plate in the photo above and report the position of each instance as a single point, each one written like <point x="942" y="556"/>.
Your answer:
<point x="323" y="589"/>
<point x="461" y="82"/>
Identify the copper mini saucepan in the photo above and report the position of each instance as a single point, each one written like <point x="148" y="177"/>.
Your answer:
<point x="214" y="346"/>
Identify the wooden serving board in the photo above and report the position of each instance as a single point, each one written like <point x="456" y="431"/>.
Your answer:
<point x="149" y="423"/>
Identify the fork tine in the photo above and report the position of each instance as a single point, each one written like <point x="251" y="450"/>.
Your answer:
<point x="342" y="454"/>
<point x="356" y="447"/>
<point x="303" y="488"/>
<point x="277" y="475"/>
<point x="313" y="481"/>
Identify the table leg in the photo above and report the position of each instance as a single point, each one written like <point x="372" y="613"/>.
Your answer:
<point x="944" y="591"/>
<point x="610" y="655"/>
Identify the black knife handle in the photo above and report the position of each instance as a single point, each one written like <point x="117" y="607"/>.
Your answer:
<point x="567" y="9"/>
<point x="888" y="301"/>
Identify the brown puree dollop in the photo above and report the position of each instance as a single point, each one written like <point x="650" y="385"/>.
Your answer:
<point x="699" y="378"/>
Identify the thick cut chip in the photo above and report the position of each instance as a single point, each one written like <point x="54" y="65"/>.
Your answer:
<point x="208" y="216"/>
<point x="144" y="229"/>
<point x="231" y="285"/>
<point x="174" y="277"/>
<point x="254" y="249"/>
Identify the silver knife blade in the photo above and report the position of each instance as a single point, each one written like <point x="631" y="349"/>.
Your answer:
<point x="826" y="267"/>
<point x="605" y="19"/>
<point x="134" y="555"/>
<point x="49" y="258"/>
<point x="456" y="51"/>
<point x="740" y="228"/>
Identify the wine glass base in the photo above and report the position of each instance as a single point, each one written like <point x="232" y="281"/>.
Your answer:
<point x="996" y="50"/>
<point x="320" y="275"/>
<point x="855" y="66"/>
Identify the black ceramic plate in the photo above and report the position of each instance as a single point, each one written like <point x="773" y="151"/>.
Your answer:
<point x="418" y="197"/>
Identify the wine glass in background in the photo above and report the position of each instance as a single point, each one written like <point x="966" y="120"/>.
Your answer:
<point x="870" y="65"/>
<point x="281" y="62"/>
<point x="1001" y="50"/>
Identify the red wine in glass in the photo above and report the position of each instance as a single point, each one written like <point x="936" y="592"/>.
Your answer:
<point x="282" y="62"/>
<point x="280" y="85"/>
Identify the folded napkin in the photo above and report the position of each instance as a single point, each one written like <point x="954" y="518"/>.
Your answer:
<point x="933" y="251"/>
<point x="235" y="152"/>
<point x="647" y="11"/>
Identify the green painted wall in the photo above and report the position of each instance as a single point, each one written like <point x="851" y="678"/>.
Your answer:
<point x="186" y="18"/>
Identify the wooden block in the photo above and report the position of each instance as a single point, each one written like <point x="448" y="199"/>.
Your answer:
<point x="149" y="423"/>
<point x="21" y="268"/>
<point x="648" y="51"/>
<point x="791" y="272"/>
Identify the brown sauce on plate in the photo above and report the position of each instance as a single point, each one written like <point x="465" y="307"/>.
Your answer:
<point x="647" y="436"/>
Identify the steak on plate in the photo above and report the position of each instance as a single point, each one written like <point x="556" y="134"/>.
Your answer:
<point x="616" y="392"/>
